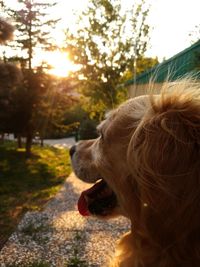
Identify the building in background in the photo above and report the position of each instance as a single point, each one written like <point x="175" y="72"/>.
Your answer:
<point x="183" y="63"/>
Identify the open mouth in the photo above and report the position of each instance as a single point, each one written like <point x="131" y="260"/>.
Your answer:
<point x="97" y="200"/>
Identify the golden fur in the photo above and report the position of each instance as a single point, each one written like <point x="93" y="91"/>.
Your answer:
<point x="149" y="154"/>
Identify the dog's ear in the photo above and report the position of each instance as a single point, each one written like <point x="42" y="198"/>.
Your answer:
<point x="163" y="153"/>
<point x="164" y="160"/>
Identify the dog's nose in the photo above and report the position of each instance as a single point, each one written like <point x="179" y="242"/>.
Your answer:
<point x="72" y="150"/>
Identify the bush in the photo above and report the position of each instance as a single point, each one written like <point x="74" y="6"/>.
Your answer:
<point x="87" y="129"/>
<point x="84" y="127"/>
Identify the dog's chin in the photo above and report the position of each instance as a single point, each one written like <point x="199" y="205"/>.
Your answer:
<point x="99" y="200"/>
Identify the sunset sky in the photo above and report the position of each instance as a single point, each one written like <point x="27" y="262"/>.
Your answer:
<point x="171" y="20"/>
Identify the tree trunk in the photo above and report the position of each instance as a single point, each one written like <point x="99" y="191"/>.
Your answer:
<point x="19" y="141"/>
<point x="2" y="137"/>
<point x="29" y="138"/>
<point x="41" y="142"/>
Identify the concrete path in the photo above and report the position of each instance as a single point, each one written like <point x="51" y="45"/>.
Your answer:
<point x="60" y="143"/>
<point x="60" y="236"/>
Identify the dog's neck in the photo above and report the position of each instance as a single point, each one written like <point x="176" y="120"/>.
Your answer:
<point x="134" y="250"/>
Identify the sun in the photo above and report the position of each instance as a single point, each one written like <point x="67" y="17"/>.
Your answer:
<point x="60" y="64"/>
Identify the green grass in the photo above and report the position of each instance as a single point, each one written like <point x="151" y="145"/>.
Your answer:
<point x="74" y="260"/>
<point x="27" y="184"/>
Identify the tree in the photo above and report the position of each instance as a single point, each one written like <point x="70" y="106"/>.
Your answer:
<point x="10" y="77"/>
<point x="6" y="31"/>
<point x="105" y="46"/>
<point x="195" y="34"/>
<point x="49" y="115"/>
<point x="143" y="64"/>
<point x="32" y="36"/>
<point x="33" y="26"/>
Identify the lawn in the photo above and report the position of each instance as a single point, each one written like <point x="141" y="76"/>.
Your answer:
<point x="27" y="184"/>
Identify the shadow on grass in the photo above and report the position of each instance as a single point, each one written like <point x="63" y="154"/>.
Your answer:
<point x="26" y="184"/>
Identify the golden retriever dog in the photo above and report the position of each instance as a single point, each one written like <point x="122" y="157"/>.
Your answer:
<point x="146" y="166"/>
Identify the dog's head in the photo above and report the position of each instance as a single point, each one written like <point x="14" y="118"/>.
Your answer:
<point x="105" y="160"/>
<point x="145" y="162"/>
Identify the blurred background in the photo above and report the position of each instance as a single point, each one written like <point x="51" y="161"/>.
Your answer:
<point x="65" y="63"/>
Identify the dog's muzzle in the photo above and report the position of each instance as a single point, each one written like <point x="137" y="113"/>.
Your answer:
<point x="99" y="200"/>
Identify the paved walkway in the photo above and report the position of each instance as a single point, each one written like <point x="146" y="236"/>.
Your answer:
<point x="60" y="236"/>
<point x="60" y="143"/>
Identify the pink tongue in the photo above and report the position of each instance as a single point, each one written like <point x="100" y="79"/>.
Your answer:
<point x="82" y="206"/>
<point x="82" y="203"/>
